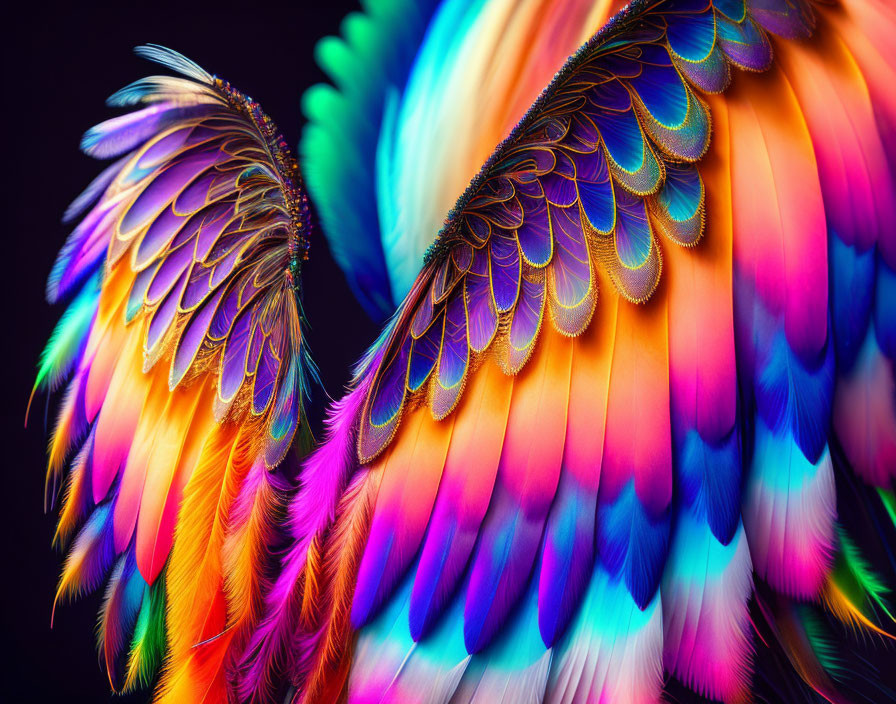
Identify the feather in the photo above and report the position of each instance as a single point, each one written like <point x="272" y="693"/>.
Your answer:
<point x="466" y="487"/>
<point x="118" y="616"/>
<point x="636" y="477"/>
<point x="612" y="650"/>
<point x="789" y="514"/>
<point x="195" y="572"/>
<point x="706" y="587"/>
<point x="90" y="557"/>
<point x="389" y="664"/>
<point x="339" y="146"/>
<point x="66" y="343"/>
<point x="407" y="491"/>
<point x="148" y="642"/>
<point x="326" y="474"/>
<point x="528" y="472"/>
<point x="851" y="566"/>
<point x="515" y="666"/>
<point x="569" y="544"/>
<point x="325" y="653"/>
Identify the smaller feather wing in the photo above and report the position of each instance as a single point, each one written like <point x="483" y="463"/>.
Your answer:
<point x="185" y="372"/>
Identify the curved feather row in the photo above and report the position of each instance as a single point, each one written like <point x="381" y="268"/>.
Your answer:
<point x="583" y="182"/>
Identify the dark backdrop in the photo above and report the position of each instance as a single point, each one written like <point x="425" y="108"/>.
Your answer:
<point x="60" y="62"/>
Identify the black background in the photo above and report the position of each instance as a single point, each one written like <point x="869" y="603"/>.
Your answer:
<point x="60" y="62"/>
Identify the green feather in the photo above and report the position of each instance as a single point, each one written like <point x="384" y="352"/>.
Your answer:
<point x="371" y="60"/>
<point x="889" y="502"/>
<point x="148" y="643"/>
<point x="59" y="355"/>
<point x="820" y="642"/>
<point x="856" y="578"/>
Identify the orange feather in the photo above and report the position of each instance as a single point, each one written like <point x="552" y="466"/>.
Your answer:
<point x="194" y="577"/>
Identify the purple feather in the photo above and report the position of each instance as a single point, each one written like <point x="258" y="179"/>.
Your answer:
<point x="165" y="186"/>
<point x="163" y="317"/>
<point x="534" y="235"/>
<point x="236" y="350"/>
<point x="508" y="545"/>
<point x="172" y="268"/>
<point x="192" y="338"/>
<point x="123" y="133"/>
<point x="483" y="317"/>
<point x="505" y="270"/>
<point x="266" y="374"/>
<point x="567" y="557"/>
<point x="161" y="232"/>
<point x="453" y="359"/>
<point x="425" y="354"/>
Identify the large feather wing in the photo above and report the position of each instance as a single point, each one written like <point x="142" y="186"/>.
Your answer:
<point x="186" y="359"/>
<point x="538" y="492"/>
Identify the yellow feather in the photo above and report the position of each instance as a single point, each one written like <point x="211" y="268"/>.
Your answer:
<point x="174" y="454"/>
<point x="70" y="515"/>
<point x="61" y="441"/>
<point x="848" y="613"/>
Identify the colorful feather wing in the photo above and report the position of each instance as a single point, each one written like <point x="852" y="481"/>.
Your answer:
<point x="405" y="73"/>
<point x="621" y="384"/>
<point x="186" y="366"/>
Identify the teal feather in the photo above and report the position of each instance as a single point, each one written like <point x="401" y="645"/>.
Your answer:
<point x="65" y="344"/>
<point x="368" y="63"/>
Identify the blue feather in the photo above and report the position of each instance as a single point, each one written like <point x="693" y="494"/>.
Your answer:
<point x="633" y="545"/>
<point x="885" y="309"/>
<point x="852" y="285"/>
<point x="791" y="396"/>
<point x="710" y="481"/>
